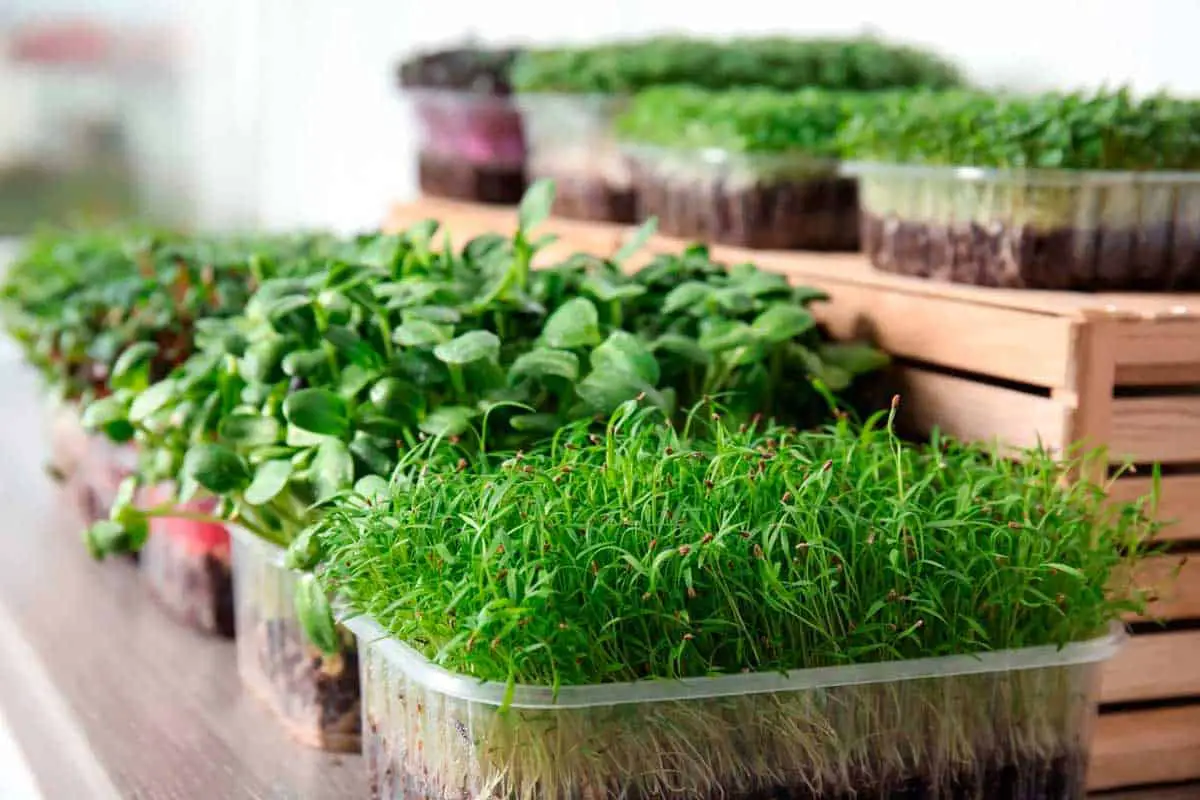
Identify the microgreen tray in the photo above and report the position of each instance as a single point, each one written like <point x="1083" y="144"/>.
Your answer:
<point x="788" y="200"/>
<point x="1034" y="229"/>
<point x="973" y="723"/>
<point x="314" y="695"/>
<point x="571" y="140"/>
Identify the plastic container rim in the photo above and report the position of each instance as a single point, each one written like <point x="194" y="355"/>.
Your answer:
<point x="720" y="157"/>
<point x="268" y="551"/>
<point x="460" y="687"/>
<point x="1035" y="175"/>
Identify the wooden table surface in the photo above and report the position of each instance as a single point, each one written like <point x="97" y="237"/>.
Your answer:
<point x="106" y="696"/>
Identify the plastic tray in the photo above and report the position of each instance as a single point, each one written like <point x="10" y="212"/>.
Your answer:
<point x="779" y="201"/>
<point x="314" y="695"/>
<point x="472" y="146"/>
<point x="1034" y="229"/>
<point x="571" y="140"/>
<point x="952" y="726"/>
<point x="186" y="564"/>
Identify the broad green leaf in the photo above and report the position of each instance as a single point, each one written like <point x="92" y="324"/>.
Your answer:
<point x="391" y="397"/>
<point x="373" y="488"/>
<point x="468" y="348"/>
<point x="262" y="360"/>
<point x="854" y="357"/>
<point x="636" y="240"/>
<point x="282" y="306"/>
<point x="332" y="469"/>
<point x="575" y="324"/>
<point x="684" y="347"/>
<point x="421" y="333"/>
<point x="269" y="480"/>
<point x="624" y="352"/>
<point x="149" y="402"/>
<point x="377" y="459"/>
<point x="351" y="346"/>
<point x="131" y="368"/>
<point x="217" y="468"/>
<point x="606" y="290"/>
<point x="249" y="429"/>
<point x="441" y="314"/>
<point x="99" y="413"/>
<point x="304" y="552"/>
<point x="318" y="411"/>
<point x="302" y="363"/>
<point x="783" y="322"/>
<point x="719" y="334"/>
<point x="834" y="377"/>
<point x="448" y="421"/>
<point x="604" y="392"/>
<point x="298" y="437"/>
<point x="544" y="362"/>
<point x="536" y="204"/>
<point x="686" y="296"/>
<point x="355" y="378"/>
<point x="315" y="615"/>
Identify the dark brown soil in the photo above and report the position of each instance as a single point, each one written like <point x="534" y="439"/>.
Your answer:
<point x="1061" y="778"/>
<point x="1163" y="258"/>
<point x="311" y="686"/>
<point x="817" y="214"/>
<point x="196" y="587"/>
<point x="459" y="179"/>
<point x="593" y="199"/>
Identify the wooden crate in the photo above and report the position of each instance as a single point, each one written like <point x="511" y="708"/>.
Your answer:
<point x="1118" y="370"/>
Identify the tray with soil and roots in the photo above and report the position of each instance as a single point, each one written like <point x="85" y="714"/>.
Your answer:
<point x="984" y="190"/>
<point x="751" y="168"/>
<point x="314" y="694"/>
<point x="738" y="611"/>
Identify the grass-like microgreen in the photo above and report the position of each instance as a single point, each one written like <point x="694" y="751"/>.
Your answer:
<point x="1104" y="130"/>
<point x="862" y="64"/>
<point x="643" y="552"/>
<point x="328" y="378"/>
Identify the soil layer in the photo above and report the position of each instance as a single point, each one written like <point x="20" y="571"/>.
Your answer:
<point x="1165" y="257"/>
<point x="1059" y="778"/>
<point x="594" y="200"/>
<point x="459" y="179"/>
<point x="819" y="214"/>
<point x="196" y="587"/>
<point x="317" y="695"/>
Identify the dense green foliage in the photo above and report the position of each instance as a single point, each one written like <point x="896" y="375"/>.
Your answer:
<point x="742" y="120"/>
<point x="328" y="378"/>
<point x="779" y="63"/>
<point x="642" y="552"/>
<point x="78" y="303"/>
<point x="1101" y="130"/>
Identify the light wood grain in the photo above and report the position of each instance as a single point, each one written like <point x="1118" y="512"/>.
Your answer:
<point x="1178" y="502"/>
<point x="156" y="710"/>
<point x="980" y="412"/>
<point x="1187" y="791"/>
<point x="1154" y="666"/>
<point x="1156" y="429"/>
<point x="1144" y="747"/>
<point x="1175" y="581"/>
<point x="1169" y="339"/>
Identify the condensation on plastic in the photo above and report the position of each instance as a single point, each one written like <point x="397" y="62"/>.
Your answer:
<point x="186" y="565"/>
<point x="1035" y="228"/>
<point x="314" y="695"/>
<point x="432" y="733"/>
<point x="476" y="128"/>
<point x="761" y="200"/>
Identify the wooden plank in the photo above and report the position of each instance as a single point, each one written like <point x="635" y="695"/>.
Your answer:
<point x="1090" y="395"/>
<point x="977" y="411"/>
<point x="1184" y="791"/>
<point x="1156" y="429"/>
<point x="1178" y="502"/>
<point x="1169" y="336"/>
<point x="1175" y="374"/>
<point x="1154" y="666"/>
<point x="1144" y="747"/>
<point x="1175" y="582"/>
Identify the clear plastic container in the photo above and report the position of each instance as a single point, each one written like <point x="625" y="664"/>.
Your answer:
<point x="472" y="146"/>
<point x="571" y="140"/>
<point x="1009" y="724"/>
<point x="186" y="564"/>
<point x="314" y="695"/>
<point x="1033" y="229"/>
<point x="777" y="201"/>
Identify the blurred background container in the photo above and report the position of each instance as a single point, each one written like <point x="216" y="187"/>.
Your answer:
<point x="284" y="113"/>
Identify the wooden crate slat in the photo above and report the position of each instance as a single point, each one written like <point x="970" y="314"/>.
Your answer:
<point x="1158" y="374"/>
<point x="1161" y="429"/>
<point x="1154" y="666"/>
<point x="1176" y="580"/>
<point x="1188" y="791"/>
<point x="1143" y="747"/>
<point x="1165" y="339"/>
<point x="971" y="410"/>
<point x="1178" y="502"/>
